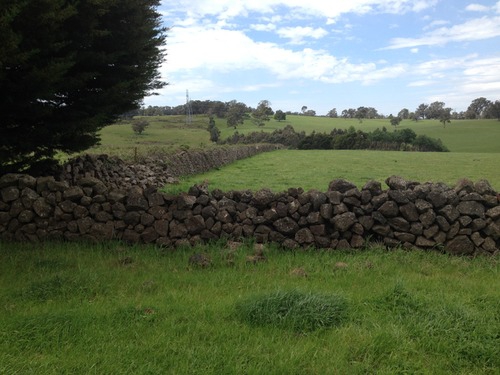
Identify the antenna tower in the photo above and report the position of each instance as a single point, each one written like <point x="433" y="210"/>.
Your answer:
<point x="189" y="110"/>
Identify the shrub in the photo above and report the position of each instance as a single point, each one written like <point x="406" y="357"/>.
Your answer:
<point x="298" y="311"/>
<point x="138" y="126"/>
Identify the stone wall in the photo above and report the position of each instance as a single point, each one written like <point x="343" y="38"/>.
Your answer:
<point x="464" y="219"/>
<point x="155" y="170"/>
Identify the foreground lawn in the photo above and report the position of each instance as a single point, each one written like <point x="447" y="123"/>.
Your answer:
<point x="280" y="170"/>
<point x="110" y="309"/>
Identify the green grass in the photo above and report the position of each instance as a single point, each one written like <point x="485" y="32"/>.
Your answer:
<point x="280" y="170"/>
<point x="109" y="309"/>
<point x="165" y="134"/>
<point x="169" y="133"/>
<point x="459" y="136"/>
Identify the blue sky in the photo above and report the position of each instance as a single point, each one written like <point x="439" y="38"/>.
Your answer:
<point x="324" y="54"/>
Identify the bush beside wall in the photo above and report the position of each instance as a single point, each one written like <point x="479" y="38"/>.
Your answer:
<point x="462" y="220"/>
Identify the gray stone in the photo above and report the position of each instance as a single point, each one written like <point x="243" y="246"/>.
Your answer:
<point x="304" y="236"/>
<point x="10" y="193"/>
<point x="26" y="216"/>
<point x="136" y="202"/>
<point x="399" y="224"/>
<point x="460" y="245"/>
<point x="409" y="212"/>
<point x="450" y="213"/>
<point x="42" y="208"/>
<point x="374" y="187"/>
<point x="494" y="212"/>
<point x="389" y="209"/>
<point x="286" y="226"/>
<point x="424" y="242"/>
<point x="195" y="224"/>
<point x="74" y="193"/>
<point x="437" y="199"/>
<point x="396" y="183"/>
<point x="471" y="208"/>
<point x="344" y="221"/>
<point x="340" y="185"/>
<point x="422" y="205"/>
<point x="427" y="218"/>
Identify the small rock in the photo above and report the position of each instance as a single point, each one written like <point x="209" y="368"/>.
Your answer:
<point x="200" y="260"/>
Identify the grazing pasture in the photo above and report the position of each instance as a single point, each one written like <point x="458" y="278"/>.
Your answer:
<point x="110" y="309"/>
<point x="280" y="170"/>
<point x="168" y="133"/>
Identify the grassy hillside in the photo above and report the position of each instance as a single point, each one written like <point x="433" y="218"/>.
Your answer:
<point x="171" y="132"/>
<point x="458" y="136"/>
<point x="474" y="145"/>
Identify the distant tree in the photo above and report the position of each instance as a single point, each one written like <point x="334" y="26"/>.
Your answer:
<point x="303" y="109"/>
<point x="404" y="114"/>
<point x="395" y="121"/>
<point x="421" y="111"/>
<point x="262" y="113"/>
<point x="361" y="113"/>
<point x="310" y="112"/>
<point x="478" y="108"/>
<point x="349" y="113"/>
<point x="69" y="68"/>
<point x="332" y="113"/>
<point x="445" y="116"/>
<point x="218" y="109"/>
<point x="213" y="130"/>
<point x="235" y="114"/>
<point x="139" y="125"/>
<point x="494" y="110"/>
<point x="280" y="115"/>
<point x="434" y="110"/>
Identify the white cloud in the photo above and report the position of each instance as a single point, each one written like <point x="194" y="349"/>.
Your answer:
<point x="477" y="8"/>
<point x="414" y="50"/>
<point x="299" y="33"/>
<point x="263" y="27"/>
<point x="476" y="29"/>
<point x="225" y="9"/>
<point x="421" y="83"/>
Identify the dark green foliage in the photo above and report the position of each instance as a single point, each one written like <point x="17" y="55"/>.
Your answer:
<point x="339" y="139"/>
<point x="280" y="115"/>
<point x="139" y="125"/>
<point x="213" y="130"/>
<point x="395" y="121"/>
<point x="298" y="311"/>
<point x="68" y="68"/>
<point x="262" y="113"/>
<point x="425" y="143"/>
<point x="236" y="113"/>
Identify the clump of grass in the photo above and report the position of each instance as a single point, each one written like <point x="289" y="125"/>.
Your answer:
<point x="295" y="310"/>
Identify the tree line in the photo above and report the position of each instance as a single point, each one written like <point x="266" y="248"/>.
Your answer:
<point x="342" y="139"/>
<point x="236" y="112"/>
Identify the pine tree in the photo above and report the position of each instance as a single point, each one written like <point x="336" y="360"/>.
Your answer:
<point x="68" y="68"/>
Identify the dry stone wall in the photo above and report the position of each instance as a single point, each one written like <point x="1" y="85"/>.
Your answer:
<point x="156" y="170"/>
<point x="462" y="220"/>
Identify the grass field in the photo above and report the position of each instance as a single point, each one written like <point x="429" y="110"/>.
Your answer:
<point x="474" y="145"/>
<point x="113" y="309"/>
<point x="109" y="309"/>
<point x="280" y="170"/>
<point x="171" y="132"/>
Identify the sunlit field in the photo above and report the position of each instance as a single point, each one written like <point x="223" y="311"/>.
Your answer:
<point x="109" y="309"/>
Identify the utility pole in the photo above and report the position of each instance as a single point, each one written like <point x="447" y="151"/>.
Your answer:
<point x="189" y="110"/>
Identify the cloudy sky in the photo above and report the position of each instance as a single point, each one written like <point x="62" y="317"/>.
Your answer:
<point x="324" y="54"/>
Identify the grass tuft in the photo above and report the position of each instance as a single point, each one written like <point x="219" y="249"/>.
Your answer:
<point x="295" y="310"/>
